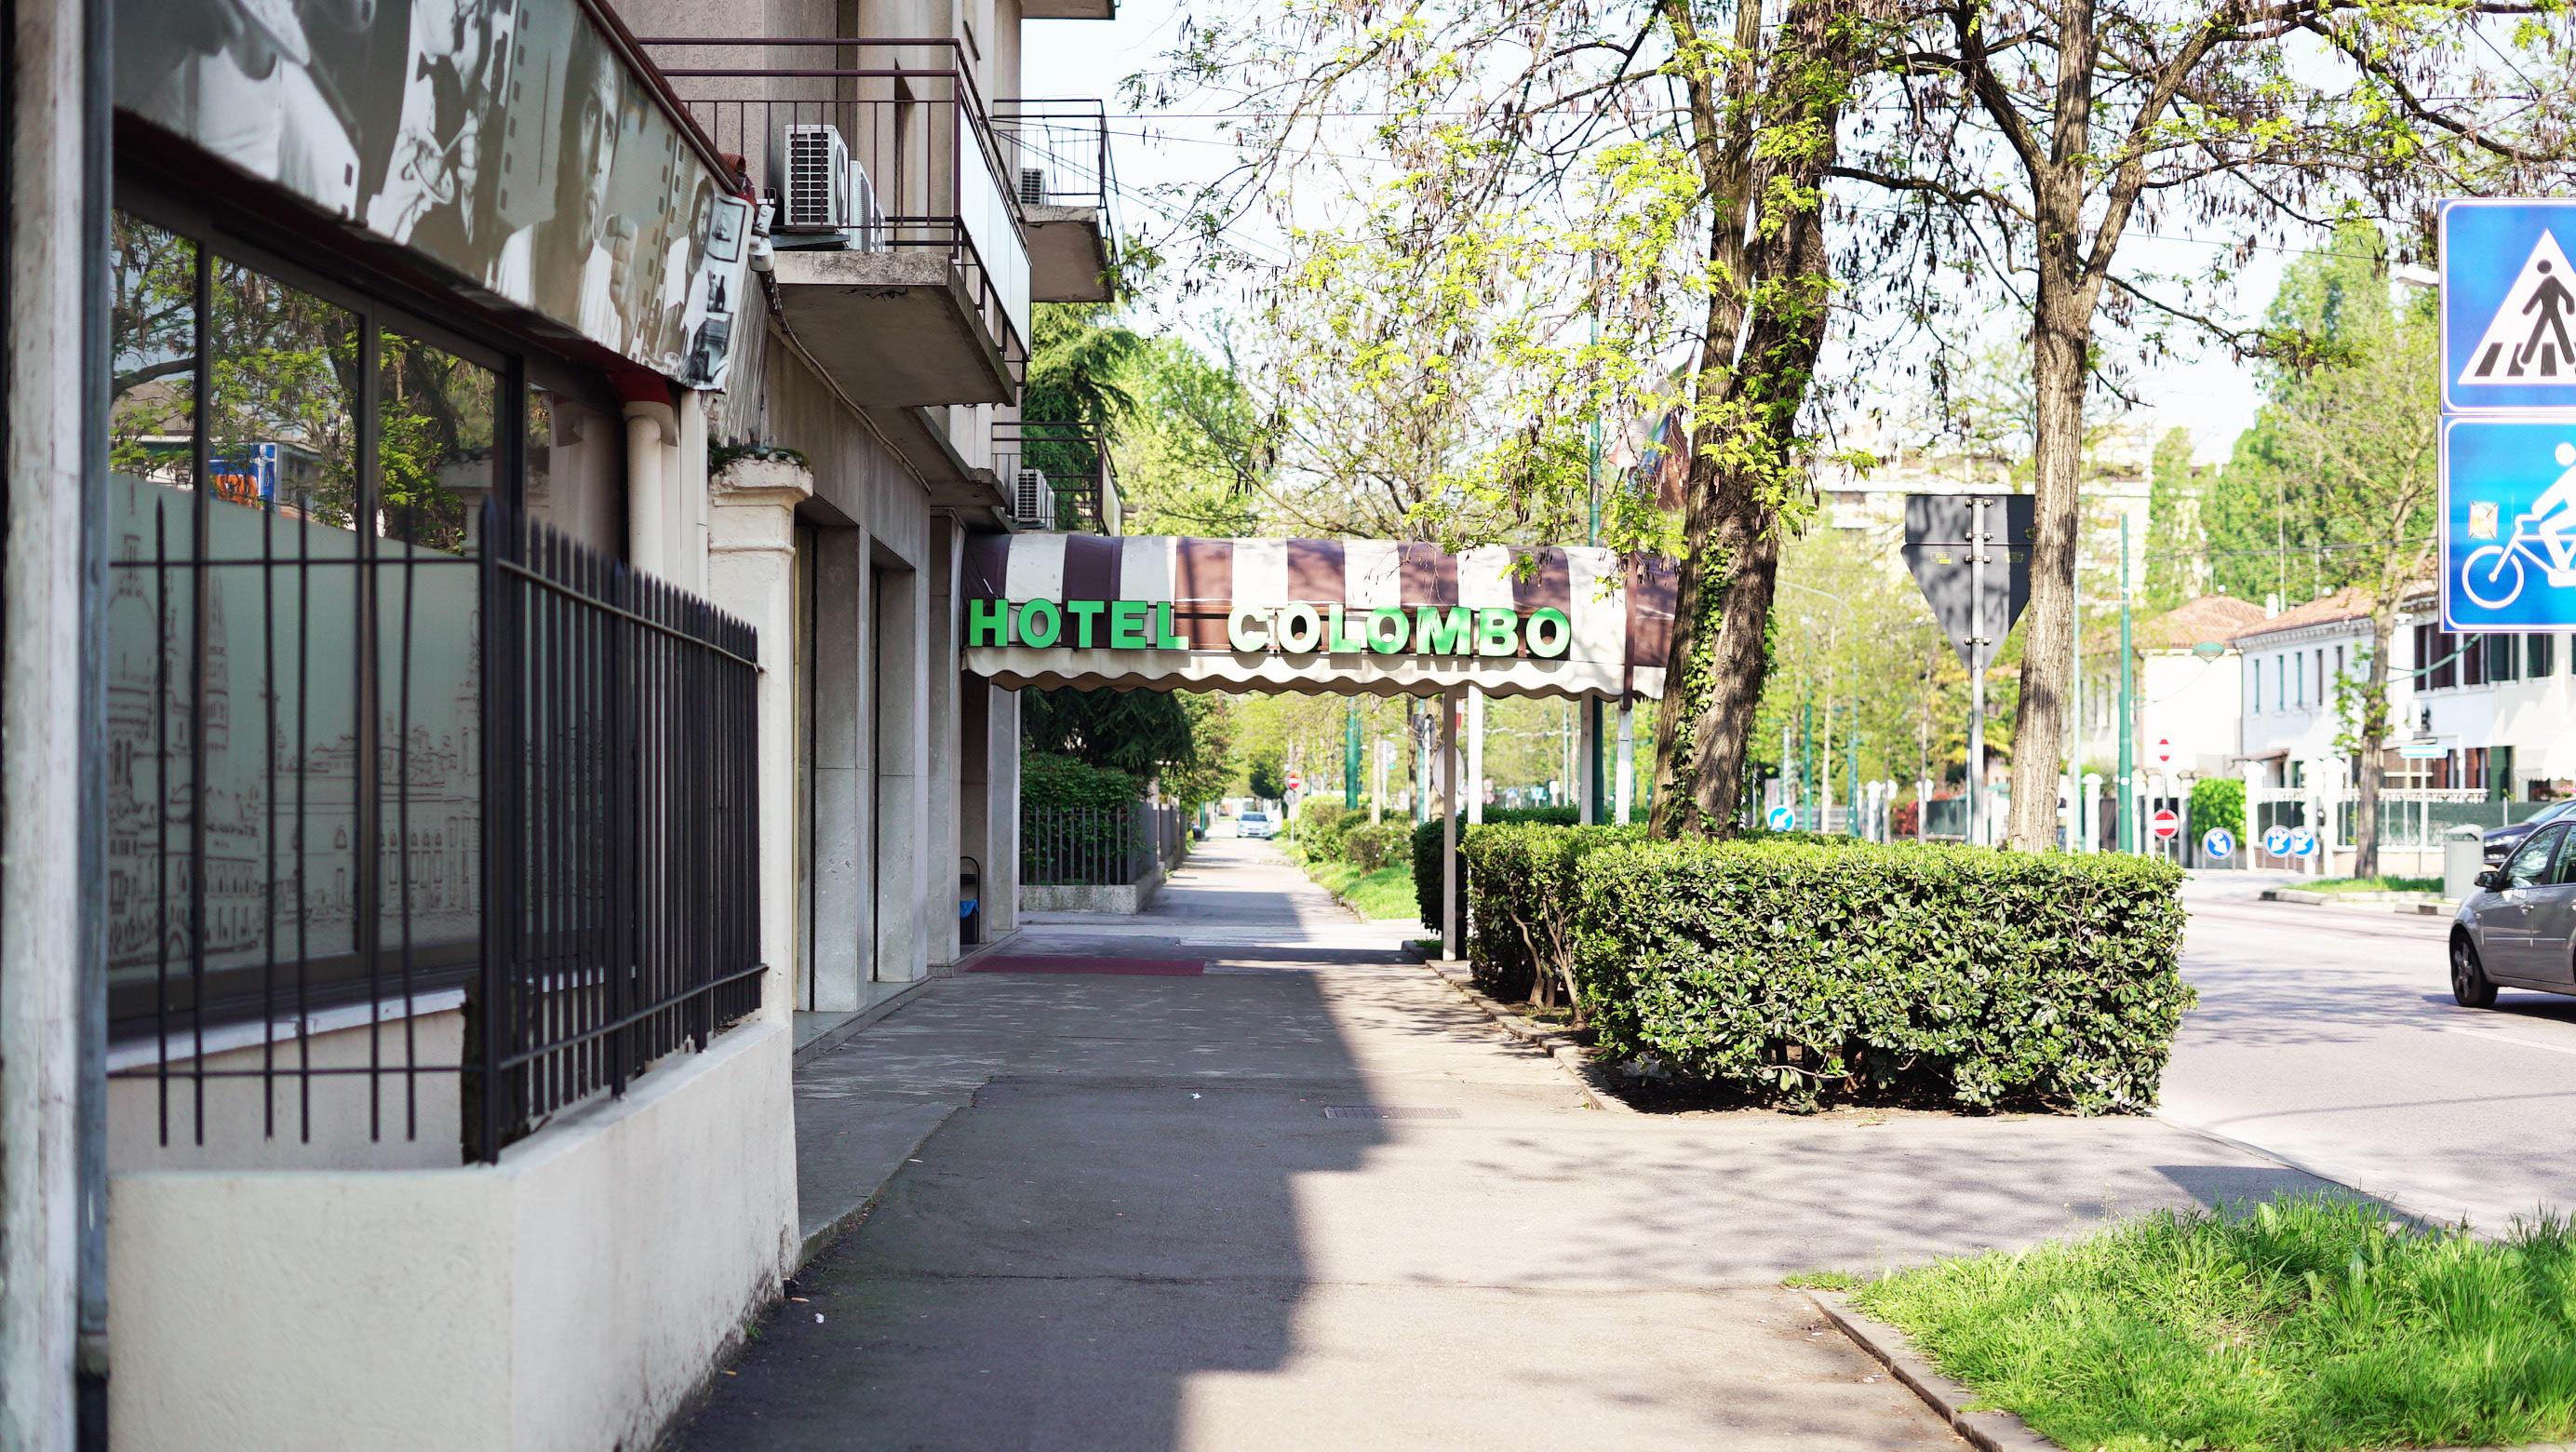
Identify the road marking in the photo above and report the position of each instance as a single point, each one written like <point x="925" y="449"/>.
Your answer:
<point x="2452" y="1028"/>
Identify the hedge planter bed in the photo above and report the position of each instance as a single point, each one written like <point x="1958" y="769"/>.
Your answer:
<point x="1801" y="972"/>
<point x="2303" y="1325"/>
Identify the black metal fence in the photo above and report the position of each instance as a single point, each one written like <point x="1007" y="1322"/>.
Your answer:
<point x="1095" y="846"/>
<point x="621" y="859"/>
<point x="355" y="783"/>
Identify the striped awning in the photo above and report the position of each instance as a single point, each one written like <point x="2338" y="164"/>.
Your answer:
<point x="1269" y="614"/>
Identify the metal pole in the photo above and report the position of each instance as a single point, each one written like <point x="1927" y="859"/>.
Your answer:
<point x="1977" y="668"/>
<point x="1807" y="766"/>
<point x="2128" y="747"/>
<point x="1595" y="779"/>
<point x="2075" y="732"/>
<point x="1351" y="759"/>
<point x="1626" y="792"/>
<point x="1450" y="927"/>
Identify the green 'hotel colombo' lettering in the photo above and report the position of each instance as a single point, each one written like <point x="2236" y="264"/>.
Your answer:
<point x="1545" y="634"/>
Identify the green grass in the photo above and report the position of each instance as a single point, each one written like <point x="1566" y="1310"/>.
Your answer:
<point x="2371" y="884"/>
<point x="1385" y="893"/>
<point x="2307" y="1324"/>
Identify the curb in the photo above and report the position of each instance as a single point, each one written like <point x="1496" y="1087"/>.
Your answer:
<point x="2402" y="904"/>
<point x="832" y="1229"/>
<point x="1557" y="1044"/>
<point x="1992" y="1431"/>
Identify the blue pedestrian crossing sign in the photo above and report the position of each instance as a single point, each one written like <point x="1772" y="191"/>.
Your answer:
<point x="2508" y="305"/>
<point x="2218" y="844"/>
<point x="1783" y="818"/>
<point x="2508" y="524"/>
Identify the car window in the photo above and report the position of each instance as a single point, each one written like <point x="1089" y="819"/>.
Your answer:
<point x="2529" y="866"/>
<point x="2566" y="859"/>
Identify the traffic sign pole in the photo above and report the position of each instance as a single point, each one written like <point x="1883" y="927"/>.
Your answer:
<point x="1977" y="537"/>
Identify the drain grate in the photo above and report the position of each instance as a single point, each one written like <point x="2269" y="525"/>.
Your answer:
<point x="1384" y="1111"/>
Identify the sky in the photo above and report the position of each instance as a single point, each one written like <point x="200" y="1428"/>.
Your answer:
<point x="2208" y="393"/>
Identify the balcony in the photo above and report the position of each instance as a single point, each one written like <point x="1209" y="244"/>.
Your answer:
<point x="1058" y="476"/>
<point x="902" y="259"/>
<point x="1059" y="152"/>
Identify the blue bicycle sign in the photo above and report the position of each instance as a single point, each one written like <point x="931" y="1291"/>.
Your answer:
<point x="2508" y="524"/>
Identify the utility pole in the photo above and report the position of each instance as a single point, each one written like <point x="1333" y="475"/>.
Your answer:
<point x="1978" y="538"/>
<point x="1351" y="759"/>
<point x="2128" y="747"/>
<point x="1807" y="765"/>
<point x="2075" y="746"/>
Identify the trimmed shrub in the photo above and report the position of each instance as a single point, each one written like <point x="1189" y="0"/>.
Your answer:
<point x="1324" y="819"/>
<point x="1426" y="853"/>
<point x="1048" y="781"/>
<point x="1521" y="904"/>
<point x="1370" y="847"/>
<point x="2218" y="801"/>
<point x="1798" y="974"/>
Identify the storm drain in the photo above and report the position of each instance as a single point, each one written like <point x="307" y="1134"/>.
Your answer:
<point x="1385" y="1111"/>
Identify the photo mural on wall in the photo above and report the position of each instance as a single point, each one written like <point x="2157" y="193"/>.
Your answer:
<point x="505" y="139"/>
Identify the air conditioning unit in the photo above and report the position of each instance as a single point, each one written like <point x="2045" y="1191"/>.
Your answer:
<point x="867" y="225"/>
<point x="816" y="191"/>
<point x="1032" y="502"/>
<point x="1033" y="187"/>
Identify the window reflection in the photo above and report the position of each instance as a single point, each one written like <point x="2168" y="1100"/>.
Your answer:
<point x="434" y="436"/>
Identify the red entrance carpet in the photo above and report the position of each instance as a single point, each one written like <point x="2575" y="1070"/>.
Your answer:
<point x="1133" y="967"/>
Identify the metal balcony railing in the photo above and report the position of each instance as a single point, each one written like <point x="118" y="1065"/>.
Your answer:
<point x="925" y="166"/>
<point x="1057" y="476"/>
<point x="1058" y="148"/>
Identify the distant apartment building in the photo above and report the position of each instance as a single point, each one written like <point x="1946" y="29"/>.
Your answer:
<point x="487" y="499"/>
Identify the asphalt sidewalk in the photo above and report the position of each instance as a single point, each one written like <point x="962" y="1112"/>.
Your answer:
<point x="1264" y="1183"/>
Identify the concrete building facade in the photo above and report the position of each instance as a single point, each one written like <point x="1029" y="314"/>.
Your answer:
<point x="482" y="675"/>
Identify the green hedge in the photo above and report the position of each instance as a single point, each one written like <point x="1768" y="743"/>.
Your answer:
<point x="1370" y="847"/>
<point x="1521" y="902"/>
<point x="1800" y="973"/>
<point x="1048" y="781"/>
<point x="1426" y="853"/>
<point x="2218" y="801"/>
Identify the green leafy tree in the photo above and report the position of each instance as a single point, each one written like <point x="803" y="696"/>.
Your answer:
<point x="2175" y="545"/>
<point x="2024" y="143"/>
<point x="1603" y="210"/>
<point x="1267" y="780"/>
<point x="1141" y="733"/>
<point x="1193" y="454"/>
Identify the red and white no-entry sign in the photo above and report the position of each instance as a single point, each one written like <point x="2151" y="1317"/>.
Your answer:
<point x="2167" y="825"/>
<point x="2164" y="751"/>
<point x="1296" y="783"/>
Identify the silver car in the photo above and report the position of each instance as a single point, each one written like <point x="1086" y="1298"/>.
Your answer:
<point x="2518" y="929"/>
<point x="1256" y="824"/>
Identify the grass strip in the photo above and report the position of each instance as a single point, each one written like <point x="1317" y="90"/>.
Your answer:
<point x="2301" y="1325"/>
<point x="2371" y="884"/>
<point x="1385" y="893"/>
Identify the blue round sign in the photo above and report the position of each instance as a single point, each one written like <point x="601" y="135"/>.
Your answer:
<point x="2218" y="842"/>
<point x="2303" y="843"/>
<point x="1783" y="818"/>
<point x="2276" y="841"/>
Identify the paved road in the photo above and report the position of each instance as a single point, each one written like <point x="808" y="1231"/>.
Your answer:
<point x="1137" y="1226"/>
<point x="2327" y="1036"/>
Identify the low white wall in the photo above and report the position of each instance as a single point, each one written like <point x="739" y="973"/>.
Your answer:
<point x="571" y="1297"/>
<point x="1129" y="898"/>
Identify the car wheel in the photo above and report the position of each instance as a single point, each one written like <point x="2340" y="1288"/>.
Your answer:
<point x="2470" y="986"/>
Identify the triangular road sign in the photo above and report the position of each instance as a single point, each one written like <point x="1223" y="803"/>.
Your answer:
<point x="2532" y="337"/>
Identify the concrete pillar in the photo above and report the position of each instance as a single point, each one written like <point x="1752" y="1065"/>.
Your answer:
<point x="651" y="430"/>
<point x="902" y="772"/>
<point x="844" y="801"/>
<point x="751" y="573"/>
<point x="1451" y="930"/>
<point x="1475" y="754"/>
<point x="44" y="863"/>
<point x="688" y="461"/>
<point x="945" y="746"/>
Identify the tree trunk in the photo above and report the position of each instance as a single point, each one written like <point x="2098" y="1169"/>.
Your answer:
<point x="2061" y="337"/>
<point x="1746" y="460"/>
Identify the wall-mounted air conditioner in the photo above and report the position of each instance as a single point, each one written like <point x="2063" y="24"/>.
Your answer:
<point x="1033" y="186"/>
<point x="815" y="193"/>
<point x="867" y="224"/>
<point x="1032" y="502"/>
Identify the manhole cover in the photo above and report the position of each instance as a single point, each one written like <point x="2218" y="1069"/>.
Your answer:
<point x="1382" y="1111"/>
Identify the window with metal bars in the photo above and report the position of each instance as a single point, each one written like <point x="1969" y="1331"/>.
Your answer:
<point x="381" y="748"/>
